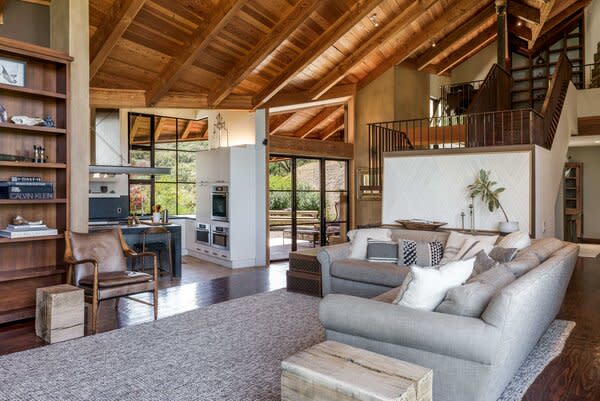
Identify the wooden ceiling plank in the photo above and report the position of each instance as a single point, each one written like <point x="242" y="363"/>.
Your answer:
<point x="524" y="11"/>
<point x="187" y="130"/>
<point x="159" y="128"/>
<point x="135" y="128"/>
<point x="395" y="25"/>
<point x="521" y="31"/>
<point x="2" y="11"/>
<point x="359" y="10"/>
<point x="273" y="128"/>
<point x="544" y="14"/>
<point x="288" y="24"/>
<point x="314" y="122"/>
<point x="479" y="42"/>
<point x="203" y="36"/>
<point x="333" y="127"/>
<point x="462" y="31"/>
<point x="558" y="19"/>
<point x="121" y="15"/>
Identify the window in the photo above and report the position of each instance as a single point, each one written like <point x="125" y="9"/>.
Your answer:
<point x="158" y="141"/>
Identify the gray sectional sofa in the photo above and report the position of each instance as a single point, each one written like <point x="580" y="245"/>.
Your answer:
<point x="473" y="359"/>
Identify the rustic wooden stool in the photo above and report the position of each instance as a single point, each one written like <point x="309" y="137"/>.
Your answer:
<point x="59" y="313"/>
<point x="338" y="372"/>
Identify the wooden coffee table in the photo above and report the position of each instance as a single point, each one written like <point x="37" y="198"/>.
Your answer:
<point x="337" y="372"/>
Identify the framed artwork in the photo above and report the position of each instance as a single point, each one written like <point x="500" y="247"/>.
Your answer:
<point x="12" y="72"/>
<point x="364" y="191"/>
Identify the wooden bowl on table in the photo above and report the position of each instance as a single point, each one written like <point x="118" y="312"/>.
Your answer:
<point x="422" y="225"/>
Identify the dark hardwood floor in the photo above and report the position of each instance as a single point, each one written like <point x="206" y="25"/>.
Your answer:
<point x="573" y="376"/>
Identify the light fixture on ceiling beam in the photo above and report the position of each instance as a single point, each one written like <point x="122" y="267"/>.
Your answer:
<point x="519" y="23"/>
<point x="433" y="44"/>
<point x="373" y="19"/>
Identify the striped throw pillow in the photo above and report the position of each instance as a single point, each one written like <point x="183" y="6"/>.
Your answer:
<point x="382" y="251"/>
<point x="420" y="253"/>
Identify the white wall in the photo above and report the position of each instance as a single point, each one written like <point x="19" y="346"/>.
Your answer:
<point x="476" y="67"/>
<point x="588" y="102"/>
<point x="592" y="30"/>
<point x="590" y="157"/>
<point x="435" y="188"/>
<point x="240" y="124"/>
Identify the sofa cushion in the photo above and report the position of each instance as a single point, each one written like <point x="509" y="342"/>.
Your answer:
<point x="386" y="274"/>
<point x="419" y="253"/>
<point x="544" y="247"/>
<point x="382" y="251"/>
<point x="456" y="241"/>
<point x="482" y="263"/>
<point x="472" y="298"/>
<point x="425" y="289"/>
<point x="471" y="247"/>
<point x="519" y="240"/>
<point x="524" y="262"/>
<point x="389" y="296"/>
<point x="503" y="255"/>
<point x="359" y="240"/>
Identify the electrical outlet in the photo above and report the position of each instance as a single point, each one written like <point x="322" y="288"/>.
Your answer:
<point x="119" y="210"/>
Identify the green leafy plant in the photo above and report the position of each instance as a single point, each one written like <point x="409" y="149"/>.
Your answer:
<point x="484" y="188"/>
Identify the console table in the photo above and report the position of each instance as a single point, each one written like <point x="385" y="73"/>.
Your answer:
<point x="339" y="372"/>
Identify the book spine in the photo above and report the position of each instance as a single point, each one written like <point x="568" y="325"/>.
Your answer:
<point x="27" y="234"/>
<point x="25" y="179"/>
<point x="30" y="184"/>
<point x="31" y="190"/>
<point x="30" y="196"/>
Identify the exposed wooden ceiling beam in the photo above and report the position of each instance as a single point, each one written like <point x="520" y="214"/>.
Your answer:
<point x="121" y="15"/>
<point x="278" y="121"/>
<point x="524" y="11"/>
<point x="338" y="93"/>
<point x="332" y="128"/>
<point x="519" y="29"/>
<point x="288" y="24"/>
<point x="2" y="11"/>
<point x="314" y="122"/>
<point x="135" y="128"/>
<point x="544" y="14"/>
<point x="204" y="35"/>
<point x="159" y="128"/>
<point x="557" y="19"/>
<point x="40" y="2"/>
<point x="482" y="40"/>
<point x="453" y="13"/>
<point x="353" y="16"/>
<point x="187" y="130"/>
<point x="465" y="30"/>
<point x="409" y="14"/>
<point x="204" y="132"/>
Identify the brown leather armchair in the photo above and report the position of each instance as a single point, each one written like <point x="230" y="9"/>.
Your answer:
<point x="97" y="262"/>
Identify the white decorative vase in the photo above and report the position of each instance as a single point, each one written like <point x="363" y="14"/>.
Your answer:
<point x="156" y="217"/>
<point x="507" y="227"/>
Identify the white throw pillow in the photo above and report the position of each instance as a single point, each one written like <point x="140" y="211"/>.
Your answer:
<point x="519" y="240"/>
<point x="360" y="238"/>
<point x="471" y="248"/>
<point x="426" y="288"/>
<point x="456" y="241"/>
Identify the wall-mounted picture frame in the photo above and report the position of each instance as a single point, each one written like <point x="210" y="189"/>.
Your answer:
<point x="364" y="191"/>
<point x="12" y="72"/>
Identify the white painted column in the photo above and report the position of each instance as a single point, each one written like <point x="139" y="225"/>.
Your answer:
<point x="262" y="206"/>
<point x="69" y="32"/>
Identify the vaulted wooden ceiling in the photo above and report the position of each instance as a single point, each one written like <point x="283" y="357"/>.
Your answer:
<point x="251" y="53"/>
<point x="325" y="123"/>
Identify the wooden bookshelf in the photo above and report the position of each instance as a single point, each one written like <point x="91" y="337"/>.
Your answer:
<point x="573" y="198"/>
<point x="30" y="263"/>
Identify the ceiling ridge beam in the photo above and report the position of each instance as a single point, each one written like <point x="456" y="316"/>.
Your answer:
<point x="473" y="24"/>
<point x="381" y="34"/>
<point x="314" y="122"/>
<point x="482" y="40"/>
<point x="220" y="17"/>
<point x="288" y="24"/>
<point x="453" y="13"/>
<point x="121" y="15"/>
<point x="342" y="25"/>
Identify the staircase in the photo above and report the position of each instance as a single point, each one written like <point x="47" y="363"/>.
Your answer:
<point x="488" y="122"/>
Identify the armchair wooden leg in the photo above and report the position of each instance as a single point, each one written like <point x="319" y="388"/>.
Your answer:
<point x="117" y="303"/>
<point x="155" y="288"/>
<point x="94" y="317"/>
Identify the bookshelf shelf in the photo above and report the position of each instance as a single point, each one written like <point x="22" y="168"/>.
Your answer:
<point x="34" y="262"/>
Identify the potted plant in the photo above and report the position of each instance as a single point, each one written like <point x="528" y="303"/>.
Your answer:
<point x="484" y="188"/>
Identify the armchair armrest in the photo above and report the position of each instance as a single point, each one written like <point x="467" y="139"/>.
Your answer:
<point x="136" y="255"/>
<point x="455" y="336"/>
<point x="73" y="263"/>
<point x="326" y="256"/>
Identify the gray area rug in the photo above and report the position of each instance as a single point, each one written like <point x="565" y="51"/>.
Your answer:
<point x="228" y="351"/>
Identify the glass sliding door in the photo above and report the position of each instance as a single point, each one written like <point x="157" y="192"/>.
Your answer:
<point x="308" y="204"/>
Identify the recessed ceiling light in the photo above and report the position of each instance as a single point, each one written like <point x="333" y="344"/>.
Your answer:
<point x="519" y="23"/>
<point x="433" y="44"/>
<point x="373" y="19"/>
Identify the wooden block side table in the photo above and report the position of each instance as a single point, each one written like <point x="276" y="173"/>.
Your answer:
<point x="333" y="371"/>
<point x="59" y="313"/>
<point x="304" y="274"/>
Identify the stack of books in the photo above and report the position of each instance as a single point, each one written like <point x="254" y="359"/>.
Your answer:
<point x="26" y="188"/>
<point x="27" y="230"/>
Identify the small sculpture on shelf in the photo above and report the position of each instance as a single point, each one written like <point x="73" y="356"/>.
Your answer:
<point x="3" y="114"/>
<point x="39" y="154"/>
<point x="29" y="121"/>
<point x="49" y="122"/>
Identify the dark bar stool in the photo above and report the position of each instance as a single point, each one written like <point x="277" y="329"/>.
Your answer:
<point x="157" y="240"/>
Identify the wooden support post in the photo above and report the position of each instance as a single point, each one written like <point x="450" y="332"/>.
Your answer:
<point x="503" y="56"/>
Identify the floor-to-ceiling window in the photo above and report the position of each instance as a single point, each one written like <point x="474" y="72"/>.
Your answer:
<point x="158" y="141"/>
<point x="308" y="203"/>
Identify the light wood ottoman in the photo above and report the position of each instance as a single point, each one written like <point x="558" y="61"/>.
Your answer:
<point x="331" y="371"/>
<point x="59" y="314"/>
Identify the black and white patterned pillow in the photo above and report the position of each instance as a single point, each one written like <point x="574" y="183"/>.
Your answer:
<point x="382" y="251"/>
<point x="420" y="253"/>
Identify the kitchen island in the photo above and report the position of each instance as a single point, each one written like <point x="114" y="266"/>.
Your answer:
<point x="134" y="237"/>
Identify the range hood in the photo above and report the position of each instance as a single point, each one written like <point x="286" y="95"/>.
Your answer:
<point x="130" y="170"/>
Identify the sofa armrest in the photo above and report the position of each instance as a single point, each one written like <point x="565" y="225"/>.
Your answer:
<point x="455" y="336"/>
<point x="326" y="256"/>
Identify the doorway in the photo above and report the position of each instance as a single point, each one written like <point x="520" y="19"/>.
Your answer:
<point x="308" y="203"/>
